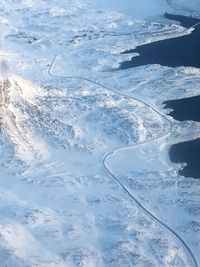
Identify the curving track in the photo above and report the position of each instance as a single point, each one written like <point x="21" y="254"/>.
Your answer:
<point x="108" y="154"/>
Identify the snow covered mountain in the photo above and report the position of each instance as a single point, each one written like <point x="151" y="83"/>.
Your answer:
<point x="85" y="178"/>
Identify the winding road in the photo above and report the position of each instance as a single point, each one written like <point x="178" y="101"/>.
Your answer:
<point x="188" y="251"/>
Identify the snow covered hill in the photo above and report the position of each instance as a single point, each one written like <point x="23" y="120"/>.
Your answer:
<point x="83" y="146"/>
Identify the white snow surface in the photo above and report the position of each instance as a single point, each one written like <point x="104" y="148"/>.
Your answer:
<point x="63" y="108"/>
<point x="134" y="8"/>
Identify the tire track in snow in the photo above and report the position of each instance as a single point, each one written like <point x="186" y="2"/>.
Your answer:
<point x="108" y="154"/>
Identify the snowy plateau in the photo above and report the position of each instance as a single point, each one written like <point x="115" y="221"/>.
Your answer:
<point x="85" y="174"/>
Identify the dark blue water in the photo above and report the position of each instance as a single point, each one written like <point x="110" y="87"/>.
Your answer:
<point x="185" y="109"/>
<point x="180" y="51"/>
<point x="174" y="52"/>
<point x="187" y="152"/>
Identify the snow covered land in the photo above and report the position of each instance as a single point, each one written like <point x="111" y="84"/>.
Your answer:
<point x="85" y="176"/>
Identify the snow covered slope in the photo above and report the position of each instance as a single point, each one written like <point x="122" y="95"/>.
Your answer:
<point x="134" y="8"/>
<point x="66" y="199"/>
<point x="151" y="8"/>
<point x="188" y="7"/>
